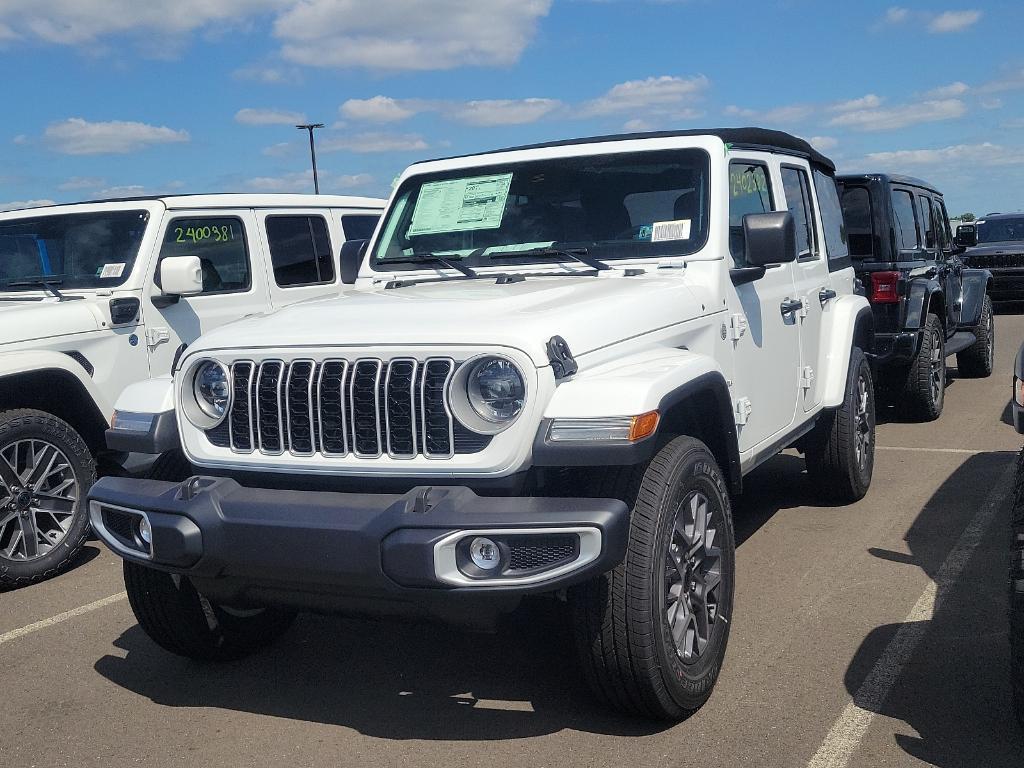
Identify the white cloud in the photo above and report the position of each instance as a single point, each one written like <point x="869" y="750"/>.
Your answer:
<point x="374" y="142"/>
<point x="869" y="101"/>
<point x="991" y="103"/>
<point x="973" y="154"/>
<point x="302" y="181"/>
<point x="14" y="205"/>
<point x="953" y="21"/>
<point x="77" y="136"/>
<point x="268" y="75"/>
<point x="379" y="109"/>
<point x="490" y="112"/>
<point x="657" y="95"/>
<point x="1012" y="82"/>
<point x="791" y="113"/>
<point x="281" y="149"/>
<point x="123" y="190"/>
<point x="896" y="15"/>
<point x="900" y="116"/>
<point x="948" y="91"/>
<point x="251" y="116"/>
<point x="400" y="35"/>
<point x="81" y="182"/>
<point x="823" y="143"/>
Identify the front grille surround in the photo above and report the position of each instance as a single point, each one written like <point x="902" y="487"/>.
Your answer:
<point x="353" y="407"/>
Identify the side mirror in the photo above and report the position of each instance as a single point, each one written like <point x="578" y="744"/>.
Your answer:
<point x="181" y="275"/>
<point x="770" y="238"/>
<point x="967" y="235"/>
<point x="352" y="253"/>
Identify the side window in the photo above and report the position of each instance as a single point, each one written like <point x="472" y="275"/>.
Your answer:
<point x="220" y="244"/>
<point x="927" y="224"/>
<point x="358" y="226"/>
<point x="300" y="250"/>
<point x="942" y="237"/>
<point x="798" y="201"/>
<point x="832" y="223"/>
<point x="749" y="192"/>
<point x="857" y="213"/>
<point x="906" y="222"/>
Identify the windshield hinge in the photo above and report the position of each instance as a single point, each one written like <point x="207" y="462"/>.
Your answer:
<point x="742" y="409"/>
<point x="737" y="327"/>
<point x="157" y="336"/>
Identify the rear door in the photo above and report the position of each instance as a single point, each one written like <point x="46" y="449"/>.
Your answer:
<point x="302" y="249"/>
<point x="950" y="267"/>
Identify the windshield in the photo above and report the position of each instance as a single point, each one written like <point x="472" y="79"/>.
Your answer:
<point x="75" y="250"/>
<point x="1000" y="230"/>
<point x="621" y="206"/>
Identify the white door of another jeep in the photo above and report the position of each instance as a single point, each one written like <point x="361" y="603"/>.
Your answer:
<point x="766" y="335"/>
<point x="234" y="280"/>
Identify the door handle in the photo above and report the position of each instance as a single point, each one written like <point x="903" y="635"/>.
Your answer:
<point x="791" y="305"/>
<point x="826" y="294"/>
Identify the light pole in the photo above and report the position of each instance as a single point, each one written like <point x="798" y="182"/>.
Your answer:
<point x="312" y="150"/>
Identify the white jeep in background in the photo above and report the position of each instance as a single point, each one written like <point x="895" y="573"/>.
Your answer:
<point x="552" y="371"/>
<point x="97" y="296"/>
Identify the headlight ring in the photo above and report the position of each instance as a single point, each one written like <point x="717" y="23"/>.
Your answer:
<point x="488" y="394"/>
<point x="207" y="393"/>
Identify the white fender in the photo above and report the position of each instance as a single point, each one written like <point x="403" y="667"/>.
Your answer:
<point x="628" y="387"/>
<point x="37" y="360"/>
<point x="839" y="324"/>
<point x="147" y="396"/>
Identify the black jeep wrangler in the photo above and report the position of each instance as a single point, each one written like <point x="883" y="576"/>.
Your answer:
<point x="927" y="304"/>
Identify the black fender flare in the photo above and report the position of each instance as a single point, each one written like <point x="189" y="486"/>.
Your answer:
<point x="975" y="284"/>
<point x="920" y="294"/>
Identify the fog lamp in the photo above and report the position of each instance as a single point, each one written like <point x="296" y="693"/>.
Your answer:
<point x="484" y="553"/>
<point x="145" y="531"/>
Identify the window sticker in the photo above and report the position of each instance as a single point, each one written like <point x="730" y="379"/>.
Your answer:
<point x="110" y="271"/>
<point x="670" y="230"/>
<point x="460" y="205"/>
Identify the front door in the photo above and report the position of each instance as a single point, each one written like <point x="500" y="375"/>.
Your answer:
<point x="234" y="280"/>
<point x="764" y="323"/>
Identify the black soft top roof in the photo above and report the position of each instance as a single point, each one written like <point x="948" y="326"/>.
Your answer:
<point x="893" y="178"/>
<point x="746" y="138"/>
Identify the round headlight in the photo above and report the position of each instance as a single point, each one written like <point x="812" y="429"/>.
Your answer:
<point x="496" y="390"/>
<point x="212" y="387"/>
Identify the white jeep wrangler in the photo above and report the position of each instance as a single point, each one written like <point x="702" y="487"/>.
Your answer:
<point x="552" y="372"/>
<point x="83" y="314"/>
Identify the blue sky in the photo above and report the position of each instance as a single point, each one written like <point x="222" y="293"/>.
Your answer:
<point x="118" y="97"/>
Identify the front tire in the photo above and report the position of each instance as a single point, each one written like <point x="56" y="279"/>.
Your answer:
<point x="978" y="360"/>
<point x="925" y="390"/>
<point x="651" y="634"/>
<point x="46" y="471"/>
<point x="180" y="620"/>
<point x="840" y="451"/>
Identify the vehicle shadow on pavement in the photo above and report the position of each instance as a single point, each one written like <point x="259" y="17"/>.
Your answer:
<point x="954" y="691"/>
<point x="390" y="679"/>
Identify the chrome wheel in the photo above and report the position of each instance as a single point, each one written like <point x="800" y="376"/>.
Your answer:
<point x="693" y="576"/>
<point x="938" y="368"/>
<point x="38" y="497"/>
<point x="862" y="422"/>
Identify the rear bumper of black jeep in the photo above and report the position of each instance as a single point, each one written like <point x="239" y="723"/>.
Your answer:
<point x="373" y="553"/>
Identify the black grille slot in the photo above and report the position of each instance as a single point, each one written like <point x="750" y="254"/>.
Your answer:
<point x="535" y="553"/>
<point x="996" y="260"/>
<point x="364" y="395"/>
<point x="119" y="523"/>
<point x="239" y="419"/>
<point x="437" y="437"/>
<point x="299" y="402"/>
<point x="268" y="406"/>
<point x="219" y="435"/>
<point x="332" y="408"/>
<point x="401" y="409"/>
<point x="467" y="441"/>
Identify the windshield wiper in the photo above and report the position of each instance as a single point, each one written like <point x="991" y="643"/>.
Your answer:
<point x="576" y="254"/>
<point x="48" y="285"/>
<point x="451" y="262"/>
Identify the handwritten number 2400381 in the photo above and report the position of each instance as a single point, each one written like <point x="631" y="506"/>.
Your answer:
<point x="218" y="234"/>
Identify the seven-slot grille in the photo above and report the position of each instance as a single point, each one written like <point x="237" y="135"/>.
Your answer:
<point x="364" y="408"/>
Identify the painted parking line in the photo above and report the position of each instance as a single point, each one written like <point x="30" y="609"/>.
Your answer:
<point x="965" y="451"/>
<point x="848" y="731"/>
<point x="28" y="629"/>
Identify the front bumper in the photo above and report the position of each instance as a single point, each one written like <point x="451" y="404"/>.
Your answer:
<point x="896" y="348"/>
<point x="326" y="550"/>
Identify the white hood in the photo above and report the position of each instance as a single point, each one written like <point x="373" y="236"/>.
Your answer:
<point x="31" y="320"/>
<point x="588" y="312"/>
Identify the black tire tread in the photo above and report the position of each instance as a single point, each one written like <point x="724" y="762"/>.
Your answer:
<point x="975" y="362"/>
<point x="28" y="417"/>
<point x="918" y="402"/>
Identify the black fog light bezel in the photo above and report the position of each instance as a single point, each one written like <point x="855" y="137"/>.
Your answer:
<point x="132" y="544"/>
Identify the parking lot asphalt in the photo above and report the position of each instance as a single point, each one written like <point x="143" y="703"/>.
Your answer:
<point x="867" y="635"/>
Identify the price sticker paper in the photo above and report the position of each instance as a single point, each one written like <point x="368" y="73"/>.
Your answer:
<point x="460" y="205"/>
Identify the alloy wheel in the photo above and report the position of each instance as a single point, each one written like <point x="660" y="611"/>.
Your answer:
<point x="693" y="576"/>
<point x="862" y="422"/>
<point x="937" y="373"/>
<point x="38" y="496"/>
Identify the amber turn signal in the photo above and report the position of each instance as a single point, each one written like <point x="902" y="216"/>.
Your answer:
<point x="643" y="426"/>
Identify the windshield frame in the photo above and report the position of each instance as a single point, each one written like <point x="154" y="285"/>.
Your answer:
<point x="603" y="250"/>
<point x="40" y="218"/>
<point x="1018" y="220"/>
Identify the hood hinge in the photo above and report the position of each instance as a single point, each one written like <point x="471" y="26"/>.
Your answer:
<point x="563" y="364"/>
